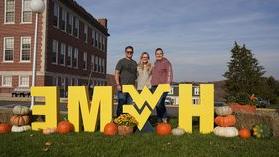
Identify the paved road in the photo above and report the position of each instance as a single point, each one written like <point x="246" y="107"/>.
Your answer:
<point x="172" y="110"/>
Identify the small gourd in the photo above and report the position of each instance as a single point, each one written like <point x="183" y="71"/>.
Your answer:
<point x="178" y="131"/>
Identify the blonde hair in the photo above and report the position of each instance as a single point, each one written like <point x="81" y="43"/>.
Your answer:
<point x="141" y="65"/>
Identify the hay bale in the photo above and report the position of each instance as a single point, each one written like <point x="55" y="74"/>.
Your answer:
<point x="5" y="115"/>
<point x="248" y="120"/>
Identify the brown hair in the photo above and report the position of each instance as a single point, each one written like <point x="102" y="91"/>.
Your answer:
<point x="159" y="49"/>
<point x="140" y="64"/>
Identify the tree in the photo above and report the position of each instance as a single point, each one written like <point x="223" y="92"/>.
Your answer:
<point x="244" y="74"/>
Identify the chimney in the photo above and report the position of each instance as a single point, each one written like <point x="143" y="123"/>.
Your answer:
<point x="103" y="22"/>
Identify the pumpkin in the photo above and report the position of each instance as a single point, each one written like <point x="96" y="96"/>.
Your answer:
<point x="178" y="131"/>
<point x="21" y="110"/>
<point x="163" y="129"/>
<point x="223" y="110"/>
<point x="48" y="131"/>
<point x="226" y="131"/>
<point x="262" y="131"/>
<point x="243" y="108"/>
<point x="19" y="120"/>
<point x="65" y="127"/>
<point x="110" y="129"/>
<point x="5" y="128"/>
<point x="244" y="133"/>
<point x="21" y="128"/>
<point x="225" y="121"/>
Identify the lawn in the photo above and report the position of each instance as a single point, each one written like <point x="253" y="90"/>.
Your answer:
<point x="139" y="144"/>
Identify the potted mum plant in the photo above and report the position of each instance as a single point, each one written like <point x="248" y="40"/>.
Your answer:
<point x="126" y="124"/>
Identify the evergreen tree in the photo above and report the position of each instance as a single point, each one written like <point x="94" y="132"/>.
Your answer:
<point x="244" y="74"/>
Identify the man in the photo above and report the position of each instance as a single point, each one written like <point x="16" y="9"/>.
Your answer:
<point x="125" y="74"/>
<point x="161" y="74"/>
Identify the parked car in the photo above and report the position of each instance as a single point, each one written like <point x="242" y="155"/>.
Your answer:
<point x="219" y="103"/>
<point x="21" y="92"/>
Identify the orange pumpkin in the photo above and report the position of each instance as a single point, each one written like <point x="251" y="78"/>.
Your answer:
<point x="5" y="128"/>
<point x="243" y="108"/>
<point x="225" y="121"/>
<point x="244" y="133"/>
<point x="19" y="120"/>
<point x="163" y="129"/>
<point x="65" y="127"/>
<point x="110" y="129"/>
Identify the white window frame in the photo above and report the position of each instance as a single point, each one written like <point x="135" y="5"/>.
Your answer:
<point x="64" y="18"/>
<point x="4" y="85"/>
<point x="71" y="19"/>
<point x="5" y="6"/>
<point x="76" y="54"/>
<point x="57" y="43"/>
<point x="4" y="49"/>
<point x="56" y="6"/>
<point x="86" y="32"/>
<point x="71" y="55"/>
<point x="19" y="81"/>
<point x="22" y="10"/>
<point x="77" y="25"/>
<point x="63" y="51"/>
<point x="21" y="42"/>
<point x="85" y="60"/>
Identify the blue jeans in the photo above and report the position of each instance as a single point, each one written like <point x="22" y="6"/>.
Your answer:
<point x="123" y="98"/>
<point x="161" y="107"/>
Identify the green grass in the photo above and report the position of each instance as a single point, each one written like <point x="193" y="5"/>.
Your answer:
<point x="139" y="144"/>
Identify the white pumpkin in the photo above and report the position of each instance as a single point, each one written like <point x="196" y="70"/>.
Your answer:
<point x="48" y="131"/>
<point x="21" y="110"/>
<point x="226" y="131"/>
<point x="178" y="131"/>
<point x="21" y="128"/>
<point x="223" y="110"/>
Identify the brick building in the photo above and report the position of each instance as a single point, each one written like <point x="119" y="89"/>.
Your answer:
<point x="72" y="45"/>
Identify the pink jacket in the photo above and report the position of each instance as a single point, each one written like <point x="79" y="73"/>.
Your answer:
<point x="161" y="72"/>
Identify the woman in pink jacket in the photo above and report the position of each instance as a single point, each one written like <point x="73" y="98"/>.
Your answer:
<point x="161" y="74"/>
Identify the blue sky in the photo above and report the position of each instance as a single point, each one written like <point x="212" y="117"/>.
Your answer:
<point x="196" y="35"/>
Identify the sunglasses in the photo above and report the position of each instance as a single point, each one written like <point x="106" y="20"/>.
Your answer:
<point x="130" y="52"/>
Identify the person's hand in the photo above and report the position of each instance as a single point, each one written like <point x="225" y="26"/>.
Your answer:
<point x="118" y="87"/>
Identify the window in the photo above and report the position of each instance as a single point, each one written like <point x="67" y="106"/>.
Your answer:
<point x="55" y="14"/>
<point x="96" y="63"/>
<point x="26" y="15"/>
<point x="93" y="37"/>
<point x="62" y="19"/>
<point x="92" y="63"/>
<point x="75" y="59"/>
<point x="54" y="55"/>
<point x="103" y="65"/>
<point x="96" y="39"/>
<point x="62" y="54"/>
<point x="54" y="81"/>
<point x="103" y="44"/>
<point x="76" y="28"/>
<point x="25" y="49"/>
<point x="69" y="56"/>
<point x="7" y="81"/>
<point x="23" y="81"/>
<point x="100" y="40"/>
<point x="85" y="33"/>
<point x="99" y="64"/>
<point x="8" y="49"/>
<point x="70" y="23"/>
<point x="85" y="61"/>
<point x="9" y="11"/>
